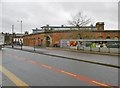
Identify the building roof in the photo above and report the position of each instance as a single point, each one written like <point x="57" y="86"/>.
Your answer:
<point x="62" y="26"/>
<point x="18" y="34"/>
<point x="36" y="29"/>
<point x="57" y="31"/>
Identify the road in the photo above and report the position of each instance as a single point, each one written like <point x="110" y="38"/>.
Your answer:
<point x="32" y="69"/>
<point x="106" y="59"/>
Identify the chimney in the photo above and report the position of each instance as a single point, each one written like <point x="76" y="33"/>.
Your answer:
<point x="100" y="26"/>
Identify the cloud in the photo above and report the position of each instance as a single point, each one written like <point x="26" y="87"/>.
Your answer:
<point x="98" y="11"/>
<point x="36" y="14"/>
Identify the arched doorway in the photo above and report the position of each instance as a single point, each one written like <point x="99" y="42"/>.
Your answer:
<point x="47" y="41"/>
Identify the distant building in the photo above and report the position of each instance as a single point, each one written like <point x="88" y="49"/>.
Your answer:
<point x="12" y="37"/>
<point x="64" y="27"/>
<point x="51" y="35"/>
<point x="8" y="38"/>
<point x="37" y="30"/>
<point x="17" y="38"/>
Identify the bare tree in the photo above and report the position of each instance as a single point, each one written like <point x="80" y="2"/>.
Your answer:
<point x="79" y="20"/>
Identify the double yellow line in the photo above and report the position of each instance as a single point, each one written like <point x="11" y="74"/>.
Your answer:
<point x="17" y="81"/>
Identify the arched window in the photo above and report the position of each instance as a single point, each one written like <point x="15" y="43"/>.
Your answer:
<point x="116" y="37"/>
<point x="108" y="37"/>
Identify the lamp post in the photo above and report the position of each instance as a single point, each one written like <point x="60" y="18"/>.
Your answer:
<point x="21" y="33"/>
<point x="20" y="25"/>
<point x="38" y="41"/>
<point x="34" y="43"/>
<point x="12" y="36"/>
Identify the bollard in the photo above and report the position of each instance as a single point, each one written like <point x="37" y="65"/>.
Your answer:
<point x="99" y="49"/>
<point x="108" y="50"/>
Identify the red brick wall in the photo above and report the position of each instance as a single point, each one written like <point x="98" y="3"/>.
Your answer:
<point x="57" y="36"/>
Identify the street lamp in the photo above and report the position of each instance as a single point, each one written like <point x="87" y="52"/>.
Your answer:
<point x="34" y="43"/>
<point x="20" y="25"/>
<point x="12" y="36"/>
<point x="38" y="41"/>
<point x="21" y="33"/>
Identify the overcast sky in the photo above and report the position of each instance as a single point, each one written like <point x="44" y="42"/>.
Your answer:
<point x="37" y="14"/>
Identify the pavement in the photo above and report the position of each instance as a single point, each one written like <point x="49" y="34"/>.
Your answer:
<point x="100" y="59"/>
<point x="23" y="68"/>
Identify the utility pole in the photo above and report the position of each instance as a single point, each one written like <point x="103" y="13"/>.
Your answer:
<point x="21" y="26"/>
<point x="33" y="40"/>
<point x="12" y="36"/>
<point x="21" y="33"/>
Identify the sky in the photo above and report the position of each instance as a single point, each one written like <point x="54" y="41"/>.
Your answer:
<point x="35" y="14"/>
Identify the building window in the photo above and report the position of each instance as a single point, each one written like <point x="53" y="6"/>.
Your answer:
<point x="116" y="37"/>
<point x="108" y="37"/>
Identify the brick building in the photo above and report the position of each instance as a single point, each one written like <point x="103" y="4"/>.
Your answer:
<point x="12" y="38"/>
<point x="51" y="35"/>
